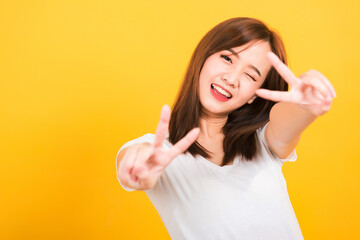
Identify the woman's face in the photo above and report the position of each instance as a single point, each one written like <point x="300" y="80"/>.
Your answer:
<point x="228" y="81"/>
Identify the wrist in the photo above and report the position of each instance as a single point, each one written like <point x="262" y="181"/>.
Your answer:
<point x="310" y="110"/>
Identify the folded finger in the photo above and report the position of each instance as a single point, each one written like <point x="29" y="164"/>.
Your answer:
<point x="327" y="83"/>
<point x="126" y="166"/>
<point x="317" y="84"/>
<point x="139" y="171"/>
<point x="127" y="161"/>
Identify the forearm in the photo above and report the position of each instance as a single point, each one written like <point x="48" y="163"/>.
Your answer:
<point x="287" y="122"/>
<point x="310" y="96"/>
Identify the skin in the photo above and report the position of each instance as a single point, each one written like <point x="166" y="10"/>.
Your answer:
<point x="140" y="165"/>
<point x="232" y="74"/>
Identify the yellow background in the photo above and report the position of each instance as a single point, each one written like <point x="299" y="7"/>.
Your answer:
<point x="78" y="79"/>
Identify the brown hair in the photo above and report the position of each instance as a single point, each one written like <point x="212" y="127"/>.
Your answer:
<point x="242" y="123"/>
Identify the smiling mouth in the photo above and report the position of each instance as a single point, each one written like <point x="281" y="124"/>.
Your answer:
<point x="221" y="91"/>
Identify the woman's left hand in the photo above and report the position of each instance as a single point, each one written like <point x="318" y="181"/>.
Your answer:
<point x="311" y="90"/>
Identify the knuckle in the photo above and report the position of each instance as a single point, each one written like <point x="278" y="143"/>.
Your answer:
<point x="149" y="149"/>
<point x="156" y="161"/>
<point x="128" y="164"/>
<point x="138" y="168"/>
<point x="130" y="152"/>
<point x="306" y="79"/>
<point x="145" y="149"/>
<point x="305" y="74"/>
<point x="123" y="165"/>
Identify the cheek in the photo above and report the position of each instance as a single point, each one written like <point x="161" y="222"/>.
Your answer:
<point x="203" y="82"/>
<point x="250" y="87"/>
<point x="200" y="85"/>
<point x="247" y="90"/>
<point x="202" y="77"/>
<point x="211" y="68"/>
<point x="201" y="89"/>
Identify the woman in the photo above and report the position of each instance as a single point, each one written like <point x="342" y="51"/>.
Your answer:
<point x="213" y="169"/>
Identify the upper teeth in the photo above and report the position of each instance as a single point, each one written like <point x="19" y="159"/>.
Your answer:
<point x="222" y="91"/>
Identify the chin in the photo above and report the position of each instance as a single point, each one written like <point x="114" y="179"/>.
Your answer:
<point x="215" y="111"/>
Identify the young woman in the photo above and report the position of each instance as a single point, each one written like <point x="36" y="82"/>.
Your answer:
<point x="213" y="169"/>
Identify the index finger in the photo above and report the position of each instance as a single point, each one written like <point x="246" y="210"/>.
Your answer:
<point x="184" y="143"/>
<point x="282" y="69"/>
<point x="163" y="126"/>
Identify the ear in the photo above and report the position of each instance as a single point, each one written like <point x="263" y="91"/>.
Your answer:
<point x="251" y="99"/>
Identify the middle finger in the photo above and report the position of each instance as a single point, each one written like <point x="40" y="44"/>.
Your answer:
<point x="282" y="69"/>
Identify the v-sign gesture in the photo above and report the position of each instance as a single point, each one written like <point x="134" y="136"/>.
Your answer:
<point x="143" y="164"/>
<point x="311" y="90"/>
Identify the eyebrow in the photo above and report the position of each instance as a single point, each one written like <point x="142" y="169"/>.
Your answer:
<point x="252" y="66"/>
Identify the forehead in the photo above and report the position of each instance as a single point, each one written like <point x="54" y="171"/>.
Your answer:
<point x="254" y="54"/>
<point x="259" y="46"/>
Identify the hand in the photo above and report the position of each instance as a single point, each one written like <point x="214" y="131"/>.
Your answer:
<point x="143" y="164"/>
<point x="311" y="90"/>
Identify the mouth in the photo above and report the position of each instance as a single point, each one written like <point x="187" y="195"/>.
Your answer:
<point x="219" y="91"/>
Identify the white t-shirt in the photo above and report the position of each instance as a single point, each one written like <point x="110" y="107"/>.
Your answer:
<point x="197" y="199"/>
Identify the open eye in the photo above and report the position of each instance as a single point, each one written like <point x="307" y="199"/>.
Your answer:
<point x="251" y="77"/>
<point x="226" y="58"/>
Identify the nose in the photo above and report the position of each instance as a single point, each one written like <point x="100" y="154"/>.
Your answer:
<point x="231" y="79"/>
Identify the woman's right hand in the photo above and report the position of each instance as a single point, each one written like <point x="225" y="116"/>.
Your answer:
<point x="144" y="163"/>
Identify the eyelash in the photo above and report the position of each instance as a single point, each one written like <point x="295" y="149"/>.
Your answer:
<point x="224" y="56"/>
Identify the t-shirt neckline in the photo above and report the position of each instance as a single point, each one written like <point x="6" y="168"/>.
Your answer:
<point x="215" y="166"/>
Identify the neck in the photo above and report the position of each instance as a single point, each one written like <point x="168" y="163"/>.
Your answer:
<point x="211" y="127"/>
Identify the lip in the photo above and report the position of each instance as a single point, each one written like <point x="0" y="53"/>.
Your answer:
<point x="218" y="96"/>
<point x="224" y="89"/>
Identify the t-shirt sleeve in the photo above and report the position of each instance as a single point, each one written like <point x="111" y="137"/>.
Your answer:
<point x="149" y="137"/>
<point x="261" y="134"/>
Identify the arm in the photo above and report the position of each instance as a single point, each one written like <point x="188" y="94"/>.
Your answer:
<point x="139" y="166"/>
<point x="287" y="122"/>
<point x="310" y="96"/>
<point x="121" y="156"/>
